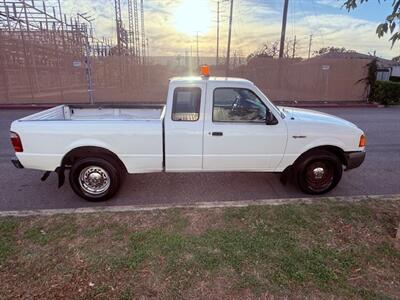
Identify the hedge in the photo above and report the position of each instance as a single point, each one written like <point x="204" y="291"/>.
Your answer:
<point x="386" y="92"/>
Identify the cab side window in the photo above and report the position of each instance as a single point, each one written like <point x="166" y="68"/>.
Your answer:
<point x="238" y="105"/>
<point x="186" y="104"/>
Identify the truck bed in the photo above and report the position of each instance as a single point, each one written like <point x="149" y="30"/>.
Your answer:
<point x="99" y="112"/>
<point x="133" y="132"/>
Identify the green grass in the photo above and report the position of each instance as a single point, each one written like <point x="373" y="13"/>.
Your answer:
<point x="117" y="230"/>
<point x="42" y="234"/>
<point x="274" y="253"/>
<point x="126" y="294"/>
<point x="323" y="249"/>
<point x="8" y="227"/>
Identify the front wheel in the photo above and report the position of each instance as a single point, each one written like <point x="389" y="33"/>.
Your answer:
<point x="319" y="172"/>
<point x="95" y="179"/>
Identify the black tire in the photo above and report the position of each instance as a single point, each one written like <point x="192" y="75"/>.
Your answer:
<point x="95" y="179"/>
<point x="318" y="172"/>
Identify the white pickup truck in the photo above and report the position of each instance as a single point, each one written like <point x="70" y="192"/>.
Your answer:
<point x="209" y="124"/>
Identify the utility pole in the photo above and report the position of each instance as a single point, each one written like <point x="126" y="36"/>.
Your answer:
<point x="228" y="53"/>
<point x="309" y="47"/>
<point x="294" y="47"/>
<point x="283" y="31"/>
<point x="217" y="59"/>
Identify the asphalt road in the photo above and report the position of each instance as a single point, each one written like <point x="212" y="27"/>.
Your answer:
<point x="380" y="173"/>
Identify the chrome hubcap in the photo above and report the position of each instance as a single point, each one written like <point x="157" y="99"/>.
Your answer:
<point x="94" y="180"/>
<point x="318" y="173"/>
<point x="319" y="176"/>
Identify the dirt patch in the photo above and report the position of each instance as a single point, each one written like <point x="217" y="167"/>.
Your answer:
<point x="199" y="223"/>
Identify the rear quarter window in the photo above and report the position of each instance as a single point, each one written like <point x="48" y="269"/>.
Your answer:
<point x="186" y="104"/>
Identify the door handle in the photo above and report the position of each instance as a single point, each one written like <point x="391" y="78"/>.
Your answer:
<point x="217" y="133"/>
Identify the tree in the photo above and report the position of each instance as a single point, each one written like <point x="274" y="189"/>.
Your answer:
<point x="333" y="49"/>
<point x="370" y="79"/>
<point x="271" y="49"/>
<point x="267" y="50"/>
<point x="389" y="25"/>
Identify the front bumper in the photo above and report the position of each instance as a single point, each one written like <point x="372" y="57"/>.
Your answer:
<point x="354" y="159"/>
<point x="17" y="163"/>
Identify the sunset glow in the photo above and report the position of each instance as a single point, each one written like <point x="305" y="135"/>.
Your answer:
<point x="171" y="25"/>
<point x="192" y="16"/>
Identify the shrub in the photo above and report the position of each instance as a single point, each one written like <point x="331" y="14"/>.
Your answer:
<point x="394" y="79"/>
<point x="386" y="92"/>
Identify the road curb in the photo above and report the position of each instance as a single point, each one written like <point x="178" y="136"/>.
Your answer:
<point x="199" y="205"/>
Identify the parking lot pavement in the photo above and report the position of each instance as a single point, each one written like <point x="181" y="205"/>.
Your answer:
<point x="380" y="173"/>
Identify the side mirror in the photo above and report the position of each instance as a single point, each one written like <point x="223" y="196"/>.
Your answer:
<point x="270" y="119"/>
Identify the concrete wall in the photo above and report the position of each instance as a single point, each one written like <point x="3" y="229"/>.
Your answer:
<point x="120" y="79"/>
<point x="317" y="79"/>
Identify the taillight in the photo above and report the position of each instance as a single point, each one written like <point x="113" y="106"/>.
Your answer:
<point x="16" y="142"/>
<point x="363" y="141"/>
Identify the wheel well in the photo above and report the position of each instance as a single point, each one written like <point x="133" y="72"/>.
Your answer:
<point x="91" y="151"/>
<point x="333" y="149"/>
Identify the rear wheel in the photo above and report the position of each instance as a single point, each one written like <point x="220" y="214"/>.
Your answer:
<point x="319" y="172"/>
<point x="95" y="179"/>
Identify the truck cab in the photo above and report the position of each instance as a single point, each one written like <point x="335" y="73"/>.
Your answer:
<point x="221" y="124"/>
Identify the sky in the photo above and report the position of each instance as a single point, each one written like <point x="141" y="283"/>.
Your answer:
<point x="172" y="25"/>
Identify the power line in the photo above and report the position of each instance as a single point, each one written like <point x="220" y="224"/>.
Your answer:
<point x="293" y="11"/>
<point x="318" y="27"/>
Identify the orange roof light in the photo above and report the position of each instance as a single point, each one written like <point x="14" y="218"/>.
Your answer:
<point x="363" y="141"/>
<point x="205" y="70"/>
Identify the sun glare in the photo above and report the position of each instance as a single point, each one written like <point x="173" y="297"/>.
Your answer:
<point x="192" y="16"/>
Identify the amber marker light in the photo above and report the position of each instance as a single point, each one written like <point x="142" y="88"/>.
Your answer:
<point x="363" y="141"/>
<point x="205" y="70"/>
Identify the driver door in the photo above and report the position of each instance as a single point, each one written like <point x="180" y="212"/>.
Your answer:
<point x="236" y="136"/>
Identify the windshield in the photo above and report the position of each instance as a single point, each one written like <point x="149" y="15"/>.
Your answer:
<point x="281" y="113"/>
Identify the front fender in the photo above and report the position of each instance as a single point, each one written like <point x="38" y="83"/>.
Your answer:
<point x="328" y="141"/>
<point x="299" y="145"/>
